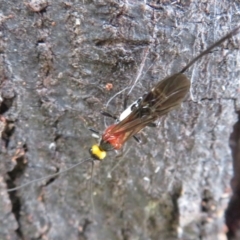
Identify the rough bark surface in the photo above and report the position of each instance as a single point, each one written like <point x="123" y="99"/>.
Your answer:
<point x="56" y="58"/>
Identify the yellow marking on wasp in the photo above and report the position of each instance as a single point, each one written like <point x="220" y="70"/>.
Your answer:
<point x="98" y="153"/>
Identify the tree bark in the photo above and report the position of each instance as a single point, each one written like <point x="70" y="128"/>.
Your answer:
<point x="57" y="60"/>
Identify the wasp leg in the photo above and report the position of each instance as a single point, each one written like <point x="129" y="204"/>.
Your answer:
<point x="106" y="114"/>
<point x="95" y="134"/>
<point x="125" y="102"/>
<point x="93" y="130"/>
<point x="137" y="139"/>
<point x="152" y="124"/>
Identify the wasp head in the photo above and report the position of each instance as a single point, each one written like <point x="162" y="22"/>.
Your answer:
<point x="97" y="153"/>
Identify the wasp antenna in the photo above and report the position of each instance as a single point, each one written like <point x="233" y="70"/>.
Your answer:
<point x="91" y="191"/>
<point x="139" y="74"/>
<point x="232" y="33"/>
<point x="50" y="176"/>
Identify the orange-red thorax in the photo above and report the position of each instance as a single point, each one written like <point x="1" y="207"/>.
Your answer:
<point x="115" y="139"/>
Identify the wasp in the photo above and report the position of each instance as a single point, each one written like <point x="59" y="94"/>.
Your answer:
<point x="167" y="95"/>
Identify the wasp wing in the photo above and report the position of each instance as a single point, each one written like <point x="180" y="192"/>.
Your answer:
<point x="164" y="97"/>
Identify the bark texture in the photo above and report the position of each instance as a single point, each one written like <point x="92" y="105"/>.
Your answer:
<point x="57" y="59"/>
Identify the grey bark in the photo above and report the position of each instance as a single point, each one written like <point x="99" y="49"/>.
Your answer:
<point x="56" y="59"/>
